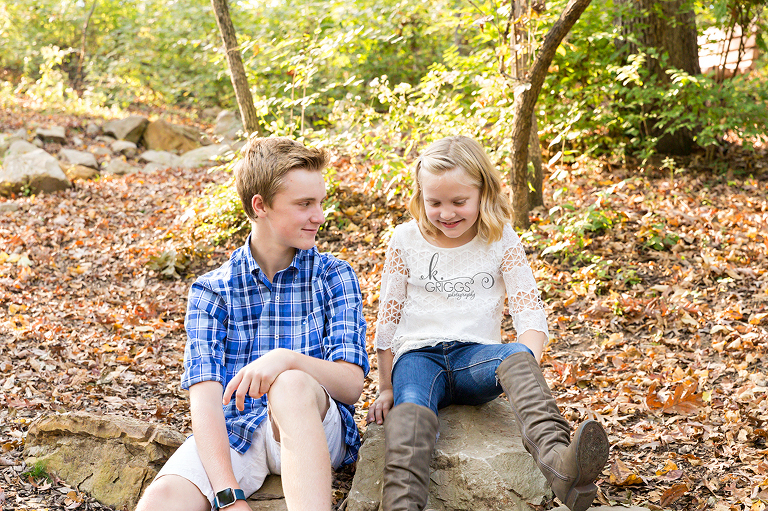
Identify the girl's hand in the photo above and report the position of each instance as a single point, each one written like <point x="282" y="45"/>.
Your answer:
<point x="378" y="411"/>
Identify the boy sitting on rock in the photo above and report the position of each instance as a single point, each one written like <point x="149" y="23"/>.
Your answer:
<point x="277" y="336"/>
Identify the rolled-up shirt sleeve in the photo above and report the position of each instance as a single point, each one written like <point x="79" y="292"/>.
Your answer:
<point x="346" y="327"/>
<point x="206" y="326"/>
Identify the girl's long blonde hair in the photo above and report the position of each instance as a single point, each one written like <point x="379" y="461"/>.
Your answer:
<point x="467" y="154"/>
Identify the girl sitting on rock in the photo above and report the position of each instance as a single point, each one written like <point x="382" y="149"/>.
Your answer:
<point x="438" y="334"/>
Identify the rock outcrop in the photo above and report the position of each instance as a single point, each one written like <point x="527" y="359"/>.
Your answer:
<point x="164" y="136"/>
<point x="32" y="170"/>
<point x="75" y="157"/>
<point x="111" y="457"/>
<point x="54" y="134"/>
<point x="479" y="463"/>
<point x="131" y="128"/>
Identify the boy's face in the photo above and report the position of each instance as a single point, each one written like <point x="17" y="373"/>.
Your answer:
<point x="296" y="213"/>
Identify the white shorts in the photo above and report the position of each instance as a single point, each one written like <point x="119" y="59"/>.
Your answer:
<point x="261" y="459"/>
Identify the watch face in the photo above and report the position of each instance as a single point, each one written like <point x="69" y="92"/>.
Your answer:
<point x="225" y="498"/>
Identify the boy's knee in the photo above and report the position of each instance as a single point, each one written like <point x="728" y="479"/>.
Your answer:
<point x="172" y="492"/>
<point x="297" y="389"/>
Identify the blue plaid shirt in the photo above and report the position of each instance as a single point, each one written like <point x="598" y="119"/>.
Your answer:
<point x="235" y="315"/>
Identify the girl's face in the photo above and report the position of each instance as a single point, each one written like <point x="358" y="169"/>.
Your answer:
<point x="452" y="205"/>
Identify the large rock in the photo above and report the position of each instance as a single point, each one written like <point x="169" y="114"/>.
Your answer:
<point x="36" y="170"/>
<point x="55" y="134"/>
<point x="92" y="129"/>
<point x="203" y="156"/>
<point x="479" y="463"/>
<point x="113" y="458"/>
<point x="228" y="125"/>
<point x="161" y="157"/>
<point x="131" y="128"/>
<point x="125" y="147"/>
<point x="269" y="497"/>
<point x="164" y="136"/>
<point x="120" y="167"/>
<point x="74" y="172"/>
<point x="18" y="147"/>
<point x="83" y="158"/>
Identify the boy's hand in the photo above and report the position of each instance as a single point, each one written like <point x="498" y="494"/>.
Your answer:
<point x="256" y="378"/>
<point x="380" y="408"/>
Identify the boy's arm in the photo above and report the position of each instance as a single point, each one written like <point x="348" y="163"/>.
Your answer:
<point x="341" y="372"/>
<point x="211" y="437"/>
<point x="386" y="399"/>
<point x="343" y="380"/>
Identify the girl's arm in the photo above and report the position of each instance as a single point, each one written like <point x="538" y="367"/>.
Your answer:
<point x="525" y="305"/>
<point x="391" y="299"/>
<point x="378" y="410"/>
<point x="535" y="341"/>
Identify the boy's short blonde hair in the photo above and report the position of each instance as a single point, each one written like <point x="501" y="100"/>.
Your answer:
<point x="467" y="154"/>
<point x="264" y="164"/>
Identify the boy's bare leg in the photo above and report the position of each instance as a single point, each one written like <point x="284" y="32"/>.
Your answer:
<point x="298" y="405"/>
<point x="173" y="493"/>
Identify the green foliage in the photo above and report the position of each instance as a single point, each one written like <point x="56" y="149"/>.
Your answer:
<point x="37" y="471"/>
<point x="656" y="236"/>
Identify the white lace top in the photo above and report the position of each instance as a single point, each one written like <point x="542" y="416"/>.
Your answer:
<point x="430" y="294"/>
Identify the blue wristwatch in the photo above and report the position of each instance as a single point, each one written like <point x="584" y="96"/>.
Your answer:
<point x="227" y="497"/>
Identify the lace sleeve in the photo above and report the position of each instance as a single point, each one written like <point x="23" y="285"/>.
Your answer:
<point x="394" y="278"/>
<point x="525" y="305"/>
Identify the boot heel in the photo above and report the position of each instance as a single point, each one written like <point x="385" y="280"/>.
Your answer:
<point x="581" y="498"/>
<point x="593" y="447"/>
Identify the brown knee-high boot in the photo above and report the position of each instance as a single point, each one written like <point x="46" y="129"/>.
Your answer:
<point x="410" y="431"/>
<point x="570" y="467"/>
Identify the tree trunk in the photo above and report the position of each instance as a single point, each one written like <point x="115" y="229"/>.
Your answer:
<point x="80" y="79"/>
<point x="526" y="94"/>
<point x="536" y="190"/>
<point x="236" y="68"/>
<point x="669" y="26"/>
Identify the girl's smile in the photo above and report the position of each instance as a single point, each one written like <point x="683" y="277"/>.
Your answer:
<point x="452" y="205"/>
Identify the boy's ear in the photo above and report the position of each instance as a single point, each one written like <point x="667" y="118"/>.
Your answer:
<point x="258" y="205"/>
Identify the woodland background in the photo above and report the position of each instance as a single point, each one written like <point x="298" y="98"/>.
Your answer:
<point x="651" y="257"/>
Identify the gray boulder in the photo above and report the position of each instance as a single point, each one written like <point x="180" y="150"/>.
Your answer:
<point x="55" y="134"/>
<point x="37" y="170"/>
<point x="161" y="157"/>
<point x="125" y="147"/>
<point x="479" y="463"/>
<point x="92" y="129"/>
<point x="228" y="125"/>
<point x="131" y="128"/>
<point x="111" y="457"/>
<point x="119" y="167"/>
<point x="9" y="207"/>
<point x="203" y="156"/>
<point x="83" y="158"/>
<point x="21" y="147"/>
<point x="106" y="139"/>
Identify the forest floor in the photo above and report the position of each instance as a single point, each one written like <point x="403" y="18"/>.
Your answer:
<point x="657" y="300"/>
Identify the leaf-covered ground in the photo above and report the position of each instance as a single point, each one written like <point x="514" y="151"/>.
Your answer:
<point x="659" y="315"/>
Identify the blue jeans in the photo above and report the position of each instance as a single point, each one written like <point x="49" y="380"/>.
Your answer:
<point x="451" y="373"/>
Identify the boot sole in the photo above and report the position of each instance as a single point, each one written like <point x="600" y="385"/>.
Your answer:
<point x="592" y="444"/>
